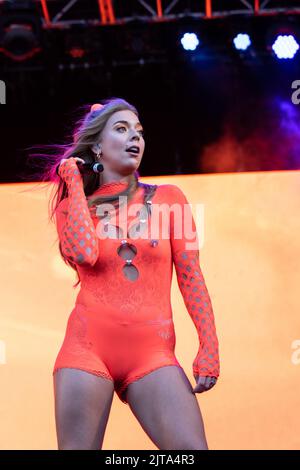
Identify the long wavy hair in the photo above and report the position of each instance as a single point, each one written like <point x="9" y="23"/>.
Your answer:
<point x="86" y="132"/>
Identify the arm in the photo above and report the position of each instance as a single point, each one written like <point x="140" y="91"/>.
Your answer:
<point x="185" y="253"/>
<point x="75" y="226"/>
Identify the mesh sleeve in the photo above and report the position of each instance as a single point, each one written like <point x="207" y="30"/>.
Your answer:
<point x="75" y="227"/>
<point x="185" y="254"/>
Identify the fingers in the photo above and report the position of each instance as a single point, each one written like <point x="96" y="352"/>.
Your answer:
<point x="66" y="163"/>
<point x="210" y="382"/>
<point x="79" y="159"/>
<point x="70" y="159"/>
<point x="204" y="383"/>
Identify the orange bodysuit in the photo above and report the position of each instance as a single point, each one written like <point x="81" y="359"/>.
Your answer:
<point x="121" y="326"/>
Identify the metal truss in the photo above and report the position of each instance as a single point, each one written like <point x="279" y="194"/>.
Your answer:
<point x="65" y="13"/>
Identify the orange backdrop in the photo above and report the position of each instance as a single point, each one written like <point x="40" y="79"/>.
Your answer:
<point x="250" y="257"/>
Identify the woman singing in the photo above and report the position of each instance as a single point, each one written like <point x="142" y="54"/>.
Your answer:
<point x="120" y="334"/>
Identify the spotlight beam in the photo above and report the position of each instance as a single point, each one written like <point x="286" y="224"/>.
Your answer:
<point x="247" y="4"/>
<point x="106" y="12"/>
<point x="208" y="8"/>
<point x="64" y="10"/>
<point x="148" y="7"/>
<point x="159" y="9"/>
<point x="256" y="6"/>
<point x="45" y="12"/>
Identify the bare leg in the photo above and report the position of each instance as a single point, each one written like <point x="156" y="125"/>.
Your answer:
<point x="167" y="410"/>
<point x="82" y="406"/>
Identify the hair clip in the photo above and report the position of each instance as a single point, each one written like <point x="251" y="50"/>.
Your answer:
<point x="96" y="107"/>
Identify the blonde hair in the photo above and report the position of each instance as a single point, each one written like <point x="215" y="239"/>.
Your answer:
<point x="87" y="132"/>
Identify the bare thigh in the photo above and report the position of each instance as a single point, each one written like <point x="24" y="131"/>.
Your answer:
<point x="82" y="406"/>
<point x="167" y="409"/>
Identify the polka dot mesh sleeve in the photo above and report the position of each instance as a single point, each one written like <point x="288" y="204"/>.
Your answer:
<point x="192" y="284"/>
<point x="76" y="230"/>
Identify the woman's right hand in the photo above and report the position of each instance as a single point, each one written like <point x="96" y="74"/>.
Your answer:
<point x="68" y="168"/>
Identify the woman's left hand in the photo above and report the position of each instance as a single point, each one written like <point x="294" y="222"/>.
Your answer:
<point x="204" y="383"/>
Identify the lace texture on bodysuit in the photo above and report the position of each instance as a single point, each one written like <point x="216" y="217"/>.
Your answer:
<point x="104" y="286"/>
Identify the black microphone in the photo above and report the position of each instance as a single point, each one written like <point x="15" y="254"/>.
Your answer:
<point x="87" y="167"/>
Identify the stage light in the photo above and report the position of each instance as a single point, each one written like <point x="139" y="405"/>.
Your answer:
<point x="76" y="52"/>
<point x="285" y="46"/>
<point x="20" y="30"/>
<point x="242" y="41"/>
<point x="189" y="41"/>
<point x="19" y="42"/>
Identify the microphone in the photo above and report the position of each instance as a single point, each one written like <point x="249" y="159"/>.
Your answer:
<point x="87" y="167"/>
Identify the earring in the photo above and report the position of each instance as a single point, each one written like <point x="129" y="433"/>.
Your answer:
<point x="99" y="154"/>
